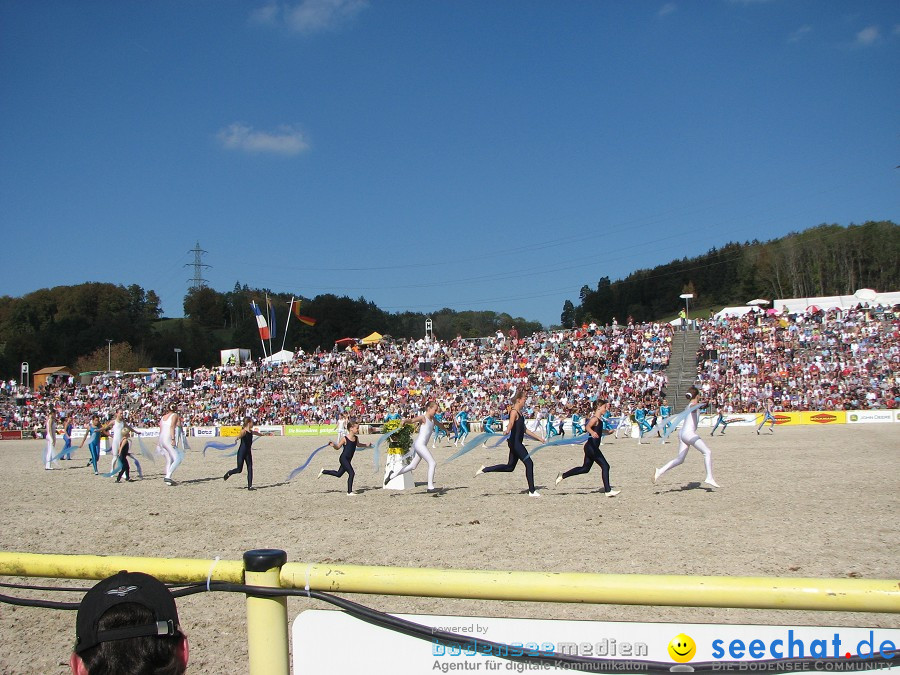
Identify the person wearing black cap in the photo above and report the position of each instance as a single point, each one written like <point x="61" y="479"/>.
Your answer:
<point x="128" y="623"/>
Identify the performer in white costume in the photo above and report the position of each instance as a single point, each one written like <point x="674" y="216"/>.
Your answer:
<point x="167" y="429"/>
<point x="688" y="437"/>
<point x="420" y="445"/>
<point x="50" y="452"/>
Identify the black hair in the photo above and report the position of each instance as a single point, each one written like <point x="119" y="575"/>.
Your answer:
<point x="148" y="655"/>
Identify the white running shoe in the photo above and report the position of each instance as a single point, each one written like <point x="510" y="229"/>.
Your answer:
<point x="612" y="493"/>
<point x="534" y="494"/>
<point x="481" y="470"/>
<point x="559" y="478"/>
<point x="655" y="476"/>
<point x="351" y="494"/>
<point x="321" y="471"/>
<point x="710" y="481"/>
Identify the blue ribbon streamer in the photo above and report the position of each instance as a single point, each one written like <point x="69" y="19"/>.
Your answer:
<point x="305" y="464"/>
<point x="116" y="468"/>
<point x="577" y="440"/>
<point x="672" y="423"/>
<point x="217" y="445"/>
<point x="144" y="451"/>
<point x="471" y="445"/>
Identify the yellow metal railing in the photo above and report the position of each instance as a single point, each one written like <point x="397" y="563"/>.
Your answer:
<point x="267" y="617"/>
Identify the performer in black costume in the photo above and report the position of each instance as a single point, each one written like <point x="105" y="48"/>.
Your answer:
<point x="592" y="452"/>
<point x="245" y="453"/>
<point x="124" y="446"/>
<point x="517" y="451"/>
<point x="349" y="442"/>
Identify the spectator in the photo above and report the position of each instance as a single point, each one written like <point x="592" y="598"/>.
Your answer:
<point x="128" y="623"/>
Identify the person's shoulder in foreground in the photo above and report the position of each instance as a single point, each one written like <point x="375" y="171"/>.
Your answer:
<point x="128" y="623"/>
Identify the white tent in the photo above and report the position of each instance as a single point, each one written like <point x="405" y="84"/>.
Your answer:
<point x="734" y="311"/>
<point x="279" y="357"/>
<point x="799" y="305"/>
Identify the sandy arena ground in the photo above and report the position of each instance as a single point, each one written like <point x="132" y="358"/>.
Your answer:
<point x="803" y="502"/>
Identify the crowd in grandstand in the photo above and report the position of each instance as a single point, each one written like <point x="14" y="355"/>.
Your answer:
<point x="830" y="360"/>
<point x="564" y="371"/>
<point x="822" y="360"/>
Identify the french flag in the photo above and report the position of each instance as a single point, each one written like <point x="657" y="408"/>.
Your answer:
<point x="260" y="321"/>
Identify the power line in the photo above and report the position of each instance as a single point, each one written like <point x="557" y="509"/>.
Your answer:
<point x="197" y="281"/>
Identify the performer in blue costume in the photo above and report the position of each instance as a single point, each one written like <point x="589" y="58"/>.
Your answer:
<point x="551" y="426"/>
<point x="440" y="432"/>
<point x="577" y="427"/>
<point x="67" y="440"/>
<point x="720" y="419"/>
<point x="640" y="416"/>
<point x="462" y="426"/>
<point x="92" y="437"/>
<point x="488" y="423"/>
<point x="767" y="417"/>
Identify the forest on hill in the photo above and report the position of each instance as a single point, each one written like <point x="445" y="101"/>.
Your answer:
<point x="90" y="325"/>
<point x="71" y="326"/>
<point x="823" y="260"/>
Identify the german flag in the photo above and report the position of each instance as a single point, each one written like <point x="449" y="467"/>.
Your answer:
<point x="295" y="307"/>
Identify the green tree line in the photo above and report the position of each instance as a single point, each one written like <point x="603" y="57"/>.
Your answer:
<point x="823" y="260"/>
<point x="70" y="326"/>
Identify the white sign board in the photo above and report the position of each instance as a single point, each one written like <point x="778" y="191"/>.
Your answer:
<point x="335" y="642"/>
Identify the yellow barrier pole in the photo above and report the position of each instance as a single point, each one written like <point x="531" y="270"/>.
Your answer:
<point x="172" y="570"/>
<point x="267" y="624"/>
<point x="844" y="595"/>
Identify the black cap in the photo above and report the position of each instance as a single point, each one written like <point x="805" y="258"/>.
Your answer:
<point x="118" y="589"/>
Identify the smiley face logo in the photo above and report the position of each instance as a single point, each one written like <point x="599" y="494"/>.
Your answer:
<point x="682" y="648"/>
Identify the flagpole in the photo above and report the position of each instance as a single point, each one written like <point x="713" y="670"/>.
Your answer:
<point x="269" y="319"/>
<point x="288" y="322"/>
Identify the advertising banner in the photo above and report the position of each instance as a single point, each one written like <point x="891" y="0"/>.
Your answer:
<point x="868" y="416"/>
<point x="274" y="429"/>
<point x="229" y="431"/>
<point x="320" y="637"/>
<point x="782" y="418"/>
<point x="309" y="429"/>
<point x="203" y="432"/>
<point x="737" y="419"/>
<point x="824" y="417"/>
<point x="11" y="435"/>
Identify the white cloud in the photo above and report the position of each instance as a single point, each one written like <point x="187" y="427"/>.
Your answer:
<point x="309" y="16"/>
<point x="666" y="9"/>
<point x="868" y="36"/>
<point x="267" y="14"/>
<point x="800" y="33"/>
<point x="284" y="141"/>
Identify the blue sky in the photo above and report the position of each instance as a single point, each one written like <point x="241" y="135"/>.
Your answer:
<point x="488" y="155"/>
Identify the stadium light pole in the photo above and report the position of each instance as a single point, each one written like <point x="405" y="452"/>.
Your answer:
<point x="177" y="362"/>
<point x="687" y="306"/>
<point x="108" y="355"/>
